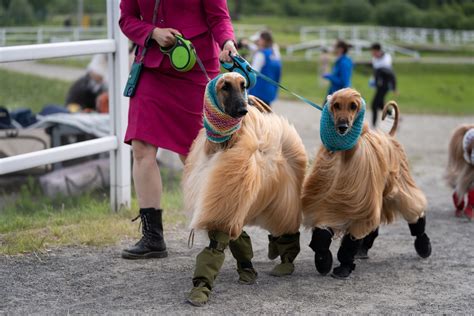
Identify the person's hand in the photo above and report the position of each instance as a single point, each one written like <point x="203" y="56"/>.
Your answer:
<point x="229" y="47"/>
<point x="164" y="37"/>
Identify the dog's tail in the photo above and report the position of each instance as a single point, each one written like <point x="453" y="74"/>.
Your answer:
<point x="392" y="105"/>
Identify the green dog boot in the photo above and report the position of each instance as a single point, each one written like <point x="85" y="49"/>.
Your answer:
<point x="247" y="275"/>
<point x="272" y="247"/>
<point x="199" y="295"/>
<point x="208" y="264"/>
<point x="288" y="247"/>
<point x="282" y="269"/>
<point x="241" y="249"/>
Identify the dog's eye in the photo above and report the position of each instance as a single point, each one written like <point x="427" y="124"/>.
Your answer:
<point x="336" y="106"/>
<point x="353" y="106"/>
<point x="225" y="86"/>
<point x="242" y="85"/>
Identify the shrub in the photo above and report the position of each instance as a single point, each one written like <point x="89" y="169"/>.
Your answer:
<point x="21" y="12"/>
<point x="399" y="13"/>
<point x="352" y="11"/>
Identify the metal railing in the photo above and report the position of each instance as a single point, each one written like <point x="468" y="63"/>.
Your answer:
<point x="116" y="46"/>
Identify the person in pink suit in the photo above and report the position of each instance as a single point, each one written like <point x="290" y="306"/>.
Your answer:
<point x="166" y="109"/>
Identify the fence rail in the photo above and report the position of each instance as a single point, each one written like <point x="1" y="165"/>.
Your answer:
<point x="116" y="46"/>
<point x="10" y="36"/>
<point x="399" y="35"/>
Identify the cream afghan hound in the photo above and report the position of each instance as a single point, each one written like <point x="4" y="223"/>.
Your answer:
<point x="253" y="178"/>
<point x="352" y="192"/>
<point x="460" y="170"/>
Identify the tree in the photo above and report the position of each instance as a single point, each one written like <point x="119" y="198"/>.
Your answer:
<point x="399" y="13"/>
<point x="352" y="11"/>
<point x="21" y="12"/>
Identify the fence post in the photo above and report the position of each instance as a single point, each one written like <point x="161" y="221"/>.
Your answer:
<point x="120" y="160"/>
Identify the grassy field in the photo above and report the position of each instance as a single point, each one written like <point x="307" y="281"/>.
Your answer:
<point x="435" y="89"/>
<point x="34" y="223"/>
<point x="423" y="88"/>
<point x="21" y="90"/>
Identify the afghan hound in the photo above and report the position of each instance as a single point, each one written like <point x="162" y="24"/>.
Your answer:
<point x="460" y="170"/>
<point x="246" y="167"/>
<point x="351" y="192"/>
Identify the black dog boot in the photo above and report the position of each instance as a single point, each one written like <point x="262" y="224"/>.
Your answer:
<point x="345" y="255"/>
<point x="422" y="241"/>
<point x="242" y="251"/>
<point x="320" y="243"/>
<point x="152" y="243"/>
<point x="367" y="243"/>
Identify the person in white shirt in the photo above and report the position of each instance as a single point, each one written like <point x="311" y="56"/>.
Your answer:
<point x="384" y="79"/>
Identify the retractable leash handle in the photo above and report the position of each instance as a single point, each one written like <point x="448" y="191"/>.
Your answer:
<point x="241" y="66"/>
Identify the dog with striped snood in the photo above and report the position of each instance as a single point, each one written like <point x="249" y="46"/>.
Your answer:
<point x="351" y="191"/>
<point x="246" y="167"/>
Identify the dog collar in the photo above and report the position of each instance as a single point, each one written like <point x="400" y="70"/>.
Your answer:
<point x="219" y="125"/>
<point x="334" y="141"/>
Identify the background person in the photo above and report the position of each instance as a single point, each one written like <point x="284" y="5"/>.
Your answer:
<point x="166" y="109"/>
<point x="82" y="96"/>
<point x="340" y="76"/>
<point x="266" y="60"/>
<point x="384" y="79"/>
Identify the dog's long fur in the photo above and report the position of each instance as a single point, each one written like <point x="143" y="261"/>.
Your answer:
<point x="355" y="191"/>
<point x="459" y="174"/>
<point x="253" y="179"/>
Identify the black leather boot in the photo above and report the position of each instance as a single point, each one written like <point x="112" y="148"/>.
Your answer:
<point x="345" y="255"/>
<point x="367" y="243"/>
<point x="152" y="243"/>
<point x="422" y="241"/>
<point x="320" y="243"/>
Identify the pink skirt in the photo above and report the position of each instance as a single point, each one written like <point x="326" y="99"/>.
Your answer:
<point x="166" y="110"/>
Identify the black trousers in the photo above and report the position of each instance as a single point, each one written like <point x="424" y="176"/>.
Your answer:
<point x="377" y="103"/>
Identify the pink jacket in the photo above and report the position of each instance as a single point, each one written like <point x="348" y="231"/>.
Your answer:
<point x="205" y="22"/>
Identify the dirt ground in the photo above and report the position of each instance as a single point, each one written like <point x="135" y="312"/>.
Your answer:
<point x="394" y="280"/>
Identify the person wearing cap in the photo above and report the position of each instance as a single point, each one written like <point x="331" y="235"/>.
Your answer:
<point x="266" y="60"/>
<point x="340" y="76"/>
<point x="166" y="109"/>
<point x="384" y="79"/>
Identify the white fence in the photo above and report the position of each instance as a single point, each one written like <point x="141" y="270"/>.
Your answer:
<point x="10" y="36"/>
<point x="410" y="36"/>
<point x="116" y="46"/>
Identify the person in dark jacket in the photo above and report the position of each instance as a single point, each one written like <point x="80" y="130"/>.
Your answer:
<point x="341" y="74"/>
<point x="384" y="79"/>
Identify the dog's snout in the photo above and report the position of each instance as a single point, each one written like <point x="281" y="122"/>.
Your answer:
<point x="242" y="111"/>
<point x="342" y="127"/>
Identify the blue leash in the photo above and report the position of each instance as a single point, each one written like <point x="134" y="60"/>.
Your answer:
<point x="240" y="65"/>
<point x="273" y="82"/>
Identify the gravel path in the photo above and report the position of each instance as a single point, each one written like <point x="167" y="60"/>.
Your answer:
<point x="393" y="280"/>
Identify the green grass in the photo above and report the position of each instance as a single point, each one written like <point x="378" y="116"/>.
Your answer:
<point x="436" y="89"/>
<point x="67" y="62"/>
<point x="34" y="223"/>
<point x="22" y="90"/>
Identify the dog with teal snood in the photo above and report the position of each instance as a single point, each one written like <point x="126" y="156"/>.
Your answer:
<point x="360" y="179"/>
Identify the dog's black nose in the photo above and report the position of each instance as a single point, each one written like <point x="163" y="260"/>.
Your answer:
<point x="242" y="111"/>
<point x="342" y="128"/>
